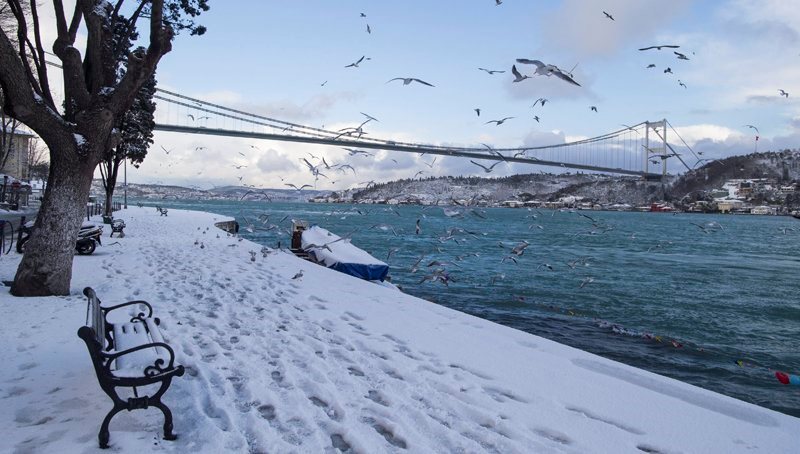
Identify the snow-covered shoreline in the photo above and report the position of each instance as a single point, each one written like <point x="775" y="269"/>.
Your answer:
<point x="329" y="362"/>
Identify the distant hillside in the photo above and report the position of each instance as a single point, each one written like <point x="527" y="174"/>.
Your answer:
<point x="782" y="166"/>
<point x="602" y="189"/>
<point x="155" y="192"/>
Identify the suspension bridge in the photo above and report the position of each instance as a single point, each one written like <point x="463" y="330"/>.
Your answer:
<point x="639" y="150"/>
<point x="633" y="150"/>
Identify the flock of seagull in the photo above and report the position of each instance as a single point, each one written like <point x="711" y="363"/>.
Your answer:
<point x="440" y="260"/>
<point x="539" y="69"/>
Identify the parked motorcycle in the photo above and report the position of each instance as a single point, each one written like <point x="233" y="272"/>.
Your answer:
<point x="88" y="237"/>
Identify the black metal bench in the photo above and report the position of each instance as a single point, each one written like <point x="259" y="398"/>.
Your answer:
<point x="129" y="354"/>
<point x="117" y="226"/>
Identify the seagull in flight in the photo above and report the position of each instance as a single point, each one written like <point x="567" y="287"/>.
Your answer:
<point x="540" y="100"/>
<point x="300" y="188"/>
<point x="668" y="70"/>
<point x="494" y="152"/>
<point x="499" y="122"/>
<point x="477" y="111"/>
<point x="408" y="80"/>
<point x="659" y="47"/>
<point x="355" y="65"/>
<point x="608" y="15"/>
<point x="370" y="117"/>
<point x="753" y="127"/>
<point x="485" y="169"/>
<point x="783" y="93"/>
<point x="491" y="71"/>
<point x="517" y="76"/>
<point x="680" y="55"/>
<point x="548" y="70"/>
<point x="593" y="108"/>
<point x="651" y="65"/>
<point x="681" y="83"/>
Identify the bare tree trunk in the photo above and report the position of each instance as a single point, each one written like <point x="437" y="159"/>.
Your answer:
<point x="46" y="267"/>
<point x="107" y="210"/>
<point x="109" y="169"/>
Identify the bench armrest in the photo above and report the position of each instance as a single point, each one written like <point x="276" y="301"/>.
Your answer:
<point x="141" y="315"/>
<point x="149" y="371"/>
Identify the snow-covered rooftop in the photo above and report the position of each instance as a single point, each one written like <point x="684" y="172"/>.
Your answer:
<point x="327" y="362"/>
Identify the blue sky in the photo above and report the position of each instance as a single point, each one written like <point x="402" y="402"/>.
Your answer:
<point x="270" y="57"/>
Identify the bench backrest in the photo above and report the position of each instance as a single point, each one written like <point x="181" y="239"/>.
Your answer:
<point x="94" y="316"/>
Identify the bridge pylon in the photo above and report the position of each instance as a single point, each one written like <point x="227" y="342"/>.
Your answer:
<point x="655" y="147"/>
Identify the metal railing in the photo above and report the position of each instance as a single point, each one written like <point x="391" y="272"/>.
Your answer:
<point x="98" y="209"/>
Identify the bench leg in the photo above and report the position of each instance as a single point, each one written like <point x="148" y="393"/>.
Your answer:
<point x="104" y="436"/>
<point x="168" y="434"/>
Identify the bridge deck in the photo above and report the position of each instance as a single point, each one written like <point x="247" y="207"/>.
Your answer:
<point x="342" y="142"/>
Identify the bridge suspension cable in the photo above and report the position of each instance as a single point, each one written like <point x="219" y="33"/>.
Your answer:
<point x="621" y="146"/>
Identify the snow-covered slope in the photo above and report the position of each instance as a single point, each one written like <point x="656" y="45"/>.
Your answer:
<point x="327" y="362"/>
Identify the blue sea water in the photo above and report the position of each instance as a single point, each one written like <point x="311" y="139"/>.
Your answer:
<point x="683" y="295"/>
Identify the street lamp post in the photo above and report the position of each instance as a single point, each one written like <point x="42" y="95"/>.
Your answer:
<point x="125" y="184"/>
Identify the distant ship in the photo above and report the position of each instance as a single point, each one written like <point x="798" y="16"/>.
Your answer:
<point x="796" y="214"/>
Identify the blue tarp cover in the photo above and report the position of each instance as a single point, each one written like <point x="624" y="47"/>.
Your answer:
<point x="340" y="255"/>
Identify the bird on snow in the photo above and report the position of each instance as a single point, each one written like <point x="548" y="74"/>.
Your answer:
<point x="298" y="275"/>
<point x="408" y="80"/>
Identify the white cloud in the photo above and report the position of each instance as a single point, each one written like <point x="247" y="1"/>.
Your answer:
<point x="695" y="133"/>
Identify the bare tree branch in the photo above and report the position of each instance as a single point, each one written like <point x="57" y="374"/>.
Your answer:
<point x="38" y="58"/>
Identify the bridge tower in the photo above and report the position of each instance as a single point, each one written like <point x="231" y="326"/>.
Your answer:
<point x="655" y="147"/>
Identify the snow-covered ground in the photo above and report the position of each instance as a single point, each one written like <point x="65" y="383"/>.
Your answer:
<point x="327" y="362"/>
